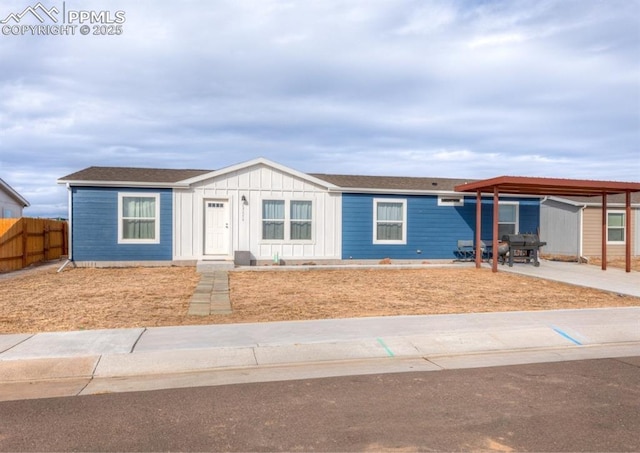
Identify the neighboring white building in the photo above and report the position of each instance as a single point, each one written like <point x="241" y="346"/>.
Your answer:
<point x="11" y="202"/>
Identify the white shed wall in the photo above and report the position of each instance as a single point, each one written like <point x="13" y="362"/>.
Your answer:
<point x="256" y="183"/>
<point x="8" y="206"/>
<point x="636" y="238"/>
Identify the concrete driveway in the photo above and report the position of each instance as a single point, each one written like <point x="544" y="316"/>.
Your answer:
<point x="613" y="279"/>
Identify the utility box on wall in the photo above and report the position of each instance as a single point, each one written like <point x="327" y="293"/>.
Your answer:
<point x="242" y="258"/>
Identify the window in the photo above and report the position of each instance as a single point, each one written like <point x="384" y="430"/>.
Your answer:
<point x="301" y="220"/>
<point x="450" y="200"/>
<point x="290" y="220"/>
<point x="615" y="227"/>
<point x="507" y="219"/>
<point x="389" y="224"/>
<point x="273" y="219"/>
<point x="138" y="218"/>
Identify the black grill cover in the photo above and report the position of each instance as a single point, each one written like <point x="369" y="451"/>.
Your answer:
<point x="522" y="239"/>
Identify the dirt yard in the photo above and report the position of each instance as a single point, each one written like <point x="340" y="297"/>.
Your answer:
<point x="617" y="262"/>
<point x="78" y="299"/>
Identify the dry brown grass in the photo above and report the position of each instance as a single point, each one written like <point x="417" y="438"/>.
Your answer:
<point x="77" y="299"/>
<point x="620" y="263"/>
<point x="338" y="294"/>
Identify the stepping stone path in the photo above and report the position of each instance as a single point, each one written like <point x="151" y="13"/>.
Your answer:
<point x="211" y="296"/>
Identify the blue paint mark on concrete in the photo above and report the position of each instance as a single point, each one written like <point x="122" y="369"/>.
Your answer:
<point x="566" y="335"/>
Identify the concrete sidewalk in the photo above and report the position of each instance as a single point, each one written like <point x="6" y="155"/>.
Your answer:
<point x="89" y="362"/>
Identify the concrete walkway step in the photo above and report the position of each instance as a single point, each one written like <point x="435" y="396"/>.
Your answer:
<point x="212" y="266"/>
<point x="211" y="295"/>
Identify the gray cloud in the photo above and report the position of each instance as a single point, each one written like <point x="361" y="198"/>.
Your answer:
<point x="404" y="87"/>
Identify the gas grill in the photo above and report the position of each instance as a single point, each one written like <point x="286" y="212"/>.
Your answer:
<point x="522" y="247"/>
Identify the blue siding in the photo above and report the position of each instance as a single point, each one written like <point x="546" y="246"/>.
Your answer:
<point x="95" y="227"/>
<point x="432" y="229"/>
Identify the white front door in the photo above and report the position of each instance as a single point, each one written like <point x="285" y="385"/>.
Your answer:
<point x="216" y="227"/>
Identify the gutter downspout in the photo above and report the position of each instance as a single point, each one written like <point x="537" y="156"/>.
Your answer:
<point x="70" y="238"/>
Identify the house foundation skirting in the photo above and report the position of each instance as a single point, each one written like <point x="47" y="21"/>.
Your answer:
<point x="335" y="262"/>
<point x="263" y="263"/>
<point x="134" y="263"/>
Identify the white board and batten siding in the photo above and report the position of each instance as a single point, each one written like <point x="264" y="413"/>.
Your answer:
<point x="256" y="183"/>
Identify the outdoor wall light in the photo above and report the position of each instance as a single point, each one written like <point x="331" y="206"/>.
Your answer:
<point x="244" y="199"/>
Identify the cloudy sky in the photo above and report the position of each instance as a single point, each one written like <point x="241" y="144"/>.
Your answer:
<point x="451" y="88"/>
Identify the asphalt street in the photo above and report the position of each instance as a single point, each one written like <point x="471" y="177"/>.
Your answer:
<point x="590" y="405"/>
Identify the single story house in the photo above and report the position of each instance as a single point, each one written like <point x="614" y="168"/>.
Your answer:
<point x="11" y="202"/>
<point x="270" y="212"/>
<point x="572" y="226"/>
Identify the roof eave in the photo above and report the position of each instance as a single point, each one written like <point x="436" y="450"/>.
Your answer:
<point x="417" y="192"/>
<point x="150" y="185"/>
<point x="15" y="195"/>
<point x="565" y="201"/>
<point x="591" y="204"/>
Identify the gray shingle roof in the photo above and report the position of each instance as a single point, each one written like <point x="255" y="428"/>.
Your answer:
<point x="399" y="183"/>
<point x="128" y="174"/>
<point x="611" y="199"/>
<point x="164" y="175"/>
<point x="391" y="182"/>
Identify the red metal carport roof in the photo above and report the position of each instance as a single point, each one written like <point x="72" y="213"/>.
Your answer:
<point x="521" y="185"/>
<point x="549" y="186"/>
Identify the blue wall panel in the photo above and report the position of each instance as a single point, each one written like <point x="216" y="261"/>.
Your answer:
<point x="431" y="229"/>
<point x="95" y="227"/>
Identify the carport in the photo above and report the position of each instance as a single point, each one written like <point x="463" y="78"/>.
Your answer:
<point x="520" y="185"/>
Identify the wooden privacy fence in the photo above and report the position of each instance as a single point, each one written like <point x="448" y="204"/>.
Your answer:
<point x="27" y="241"/>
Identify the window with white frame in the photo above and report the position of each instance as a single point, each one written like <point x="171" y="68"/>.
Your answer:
<point x="615" y="227"/>
<point x="507" y="219"/>
<point x="138" y="218"/>
<point x="301" y="217"/>
<point x="273" y="219"/>
<point x="389" y="221"/>
<point x="287" y="220"/>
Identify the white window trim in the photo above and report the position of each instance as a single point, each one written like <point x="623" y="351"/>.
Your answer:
<point x="287" y="222"/>
<point x="403" y="201"/>
<point x="450" y="200"/>
<point x="517" y="222"/>
<point x="121" y="196"/>
<point x="623" y="227"/>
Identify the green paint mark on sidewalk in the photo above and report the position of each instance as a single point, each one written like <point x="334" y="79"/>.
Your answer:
<point x="386" y="348"/>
